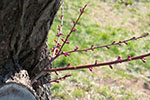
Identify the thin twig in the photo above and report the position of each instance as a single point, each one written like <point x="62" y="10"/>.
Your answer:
<point x="107" y="46"/>
<point x="60" y="27"/>
<point x="56" y="80"/>
<point x="72" y="30"/>
<point x="98" y="64"/>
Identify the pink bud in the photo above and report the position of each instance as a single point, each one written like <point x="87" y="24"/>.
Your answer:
<point x="61" y="17"/>
<point x="35" y="81"/>
<point x="143" y="59"/>
<point x="66" y="54"/>
<point x="56" y="81"/>
<point x="58" y="45"/>
<point x="57" y="53"/>
<point x="129" y="58"/>
<point x="147" y="33"/>
<point x="85" y="50"/>
<point x="74" y="22"/>
<point x="81" y="10"/>
<point x="69" y="65"/>
<point x="68" y="35"/>
<point x="76" y="48"/>
<point x="55" y="41"/>
<point x="67" y="42"/>
<point x="126" y="42"/>
<point x="119" y="43"/>
<point x="110" y="66"/>
<point x="52" y="49"/>
<point x="74" y="29"/>
<point x="107" y="47"/>
<point x="133" y="38"/>
<point x="96" y="62"/>
<point x="56" y="72"/>
<point x="92" y="47"/>
<point x="119" y="57"/>
<point x="59" y="27"/>
<point x="62" y="39"/>
<point x="59" y="34"/>
<point x="56" y="50"/>
<point x="113" y="42"/>
<point x="91" y="69"/>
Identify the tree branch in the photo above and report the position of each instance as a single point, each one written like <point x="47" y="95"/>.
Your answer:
<point x="107" y="46"/>
<point x="119" y="60"/>
<point x="72" y="30"/>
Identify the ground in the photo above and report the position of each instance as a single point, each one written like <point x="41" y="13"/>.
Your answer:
<point x="102" y="23"/>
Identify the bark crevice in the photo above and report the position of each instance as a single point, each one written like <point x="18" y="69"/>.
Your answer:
<point x="24" y="26"/>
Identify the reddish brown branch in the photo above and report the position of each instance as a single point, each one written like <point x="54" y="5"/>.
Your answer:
<point x="56" y="80"/>
<point x="61" y="78"/>
<point x="59" y="29"/>
<point x="103" y="46"/>
<point x="72" y="30"/>
<point x="98" y="64"/>
<point x="107" y="46"/>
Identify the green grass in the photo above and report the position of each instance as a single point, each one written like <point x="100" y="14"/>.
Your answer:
<point x="102" y="23"/>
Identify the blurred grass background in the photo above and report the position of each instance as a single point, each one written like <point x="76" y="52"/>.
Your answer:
<point x="103" y="22"/>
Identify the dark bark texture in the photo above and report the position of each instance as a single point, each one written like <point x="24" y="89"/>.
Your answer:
<point x="24" y="26"/>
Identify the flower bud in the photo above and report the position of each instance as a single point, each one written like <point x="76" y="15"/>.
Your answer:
<point x="35" y="81"/>
<point x="133" y="38"/>
<point x="126" y="42"/>
<point x="119" y="57"/>
<point x="85" y="50"/>
<point x="74" y="29"/>
<point x="74" y="22"/>
<point x="56" y="50"/>
<point x="107" y="47"/>
<point x="81" y="10"/>
<point x="58" y="45"/>
<point x="62" y="39"/>
<point x="56" y="72"/>
<point x="66" y="54"/>
<point x="56" y="81"/>
<point x="61" y="17"/>
<point x="147" y="33"/>
<point x="69" y="65"/>
<point x="76" y="48"/>
<point x="91" y="69"/>
<point x="110" y="66"/>
<point x="67" y="42"/>
<point x="59" y="27"/>
<point x="143" y="59"/>
<point x="96" y="62"/>
<point x="92" y="47"/>
<point x="52" y="49"/>
<point x="129" y="58"/>
<point x="119" y="43"/>
<point x="59" y="34"/>
<point x="68" y="35"/>
<point x="113" y="42"/>
<point x="55" y="41"/>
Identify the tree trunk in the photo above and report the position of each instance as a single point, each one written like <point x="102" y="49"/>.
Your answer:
<point x="24" y="26"/>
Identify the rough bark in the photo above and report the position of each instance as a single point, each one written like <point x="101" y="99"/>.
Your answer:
<point x="24" y="26"/>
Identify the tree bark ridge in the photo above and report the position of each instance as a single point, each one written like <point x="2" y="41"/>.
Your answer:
<point x="24" y="26"/>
